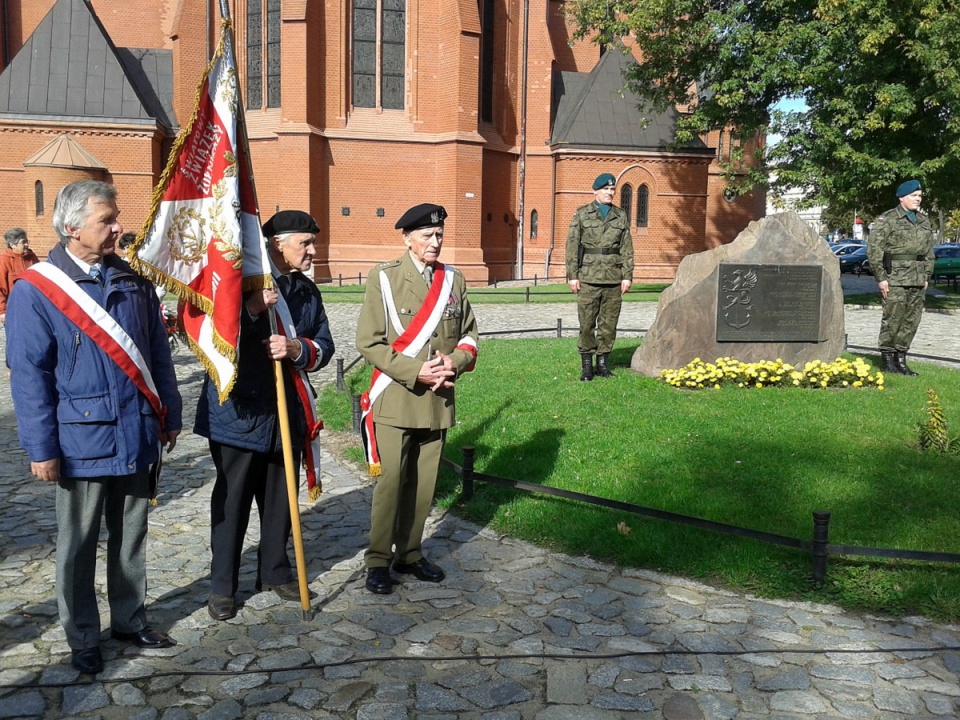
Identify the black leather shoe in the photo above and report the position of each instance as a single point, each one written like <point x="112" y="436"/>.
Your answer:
<point x="88" y="661"/>
<point x="221" y="607"/>
<point x="379" y="581"/>
<point x="422" y="569"/>
<point x="289" y="590"/>
<point x="146" y="638"/>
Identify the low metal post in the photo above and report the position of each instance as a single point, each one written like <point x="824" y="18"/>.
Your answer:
<point x="359" y="278"/>
<point x="341" y="385"/>
<point x="527" y="293"/>
<point x="534" y="279"/>
<point x="468" y="455"/>
<point x="357" y="413"/>
<point x="494" y="284"/>
<point x="821" y="534"/>
<point x="340" y="279"/>
<point x="559" y="328"/>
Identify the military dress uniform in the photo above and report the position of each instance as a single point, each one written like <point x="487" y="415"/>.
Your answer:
<point x="600" y="256"/>
<point x="410" y="419"/>
<point x="901" y="252"/>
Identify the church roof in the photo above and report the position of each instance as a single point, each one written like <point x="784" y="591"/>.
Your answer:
<point x="595" y="111"/>
<point x="70" y="68"/>
<point x="64" y="152"/>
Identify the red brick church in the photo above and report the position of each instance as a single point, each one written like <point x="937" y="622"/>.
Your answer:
<point x="356" y="110"/>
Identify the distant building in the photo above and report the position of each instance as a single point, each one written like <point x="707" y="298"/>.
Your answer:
<point x="356" y="110"/>
<point x="791" y="200"/>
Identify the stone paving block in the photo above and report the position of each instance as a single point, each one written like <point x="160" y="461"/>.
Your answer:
<point x="566" y="683"/>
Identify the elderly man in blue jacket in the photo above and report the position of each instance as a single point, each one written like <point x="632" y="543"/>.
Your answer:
<point x="95" y="396"/>
<point x="244" y="431"/>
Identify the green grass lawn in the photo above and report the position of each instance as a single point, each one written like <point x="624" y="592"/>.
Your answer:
<point x="553" y="293"/>
<point x="761" y="459"/>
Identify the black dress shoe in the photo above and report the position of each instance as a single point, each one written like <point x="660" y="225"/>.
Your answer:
<point x="288" y="591"/>
<point x="422" y="569"/>
<point x="221" y="607"/>
<point x="88" y="661"/>
<point x="379" y="581"/>
<point x="146" y="638"/>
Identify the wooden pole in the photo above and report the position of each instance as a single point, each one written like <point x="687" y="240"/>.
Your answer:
<point x="283" y="417"/>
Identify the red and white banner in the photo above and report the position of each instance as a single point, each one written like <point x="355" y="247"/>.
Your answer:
<point x="202" y="239"/>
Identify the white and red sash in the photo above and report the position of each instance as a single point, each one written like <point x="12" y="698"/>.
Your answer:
<point x="308" y="401"/>
<point x="410" y="342"/>
<point x="70" y="299"/>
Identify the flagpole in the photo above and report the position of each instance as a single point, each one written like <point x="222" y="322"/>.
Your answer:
<point x="283" y="417"/>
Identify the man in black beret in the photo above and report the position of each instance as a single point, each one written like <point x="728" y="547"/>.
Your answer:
<point x="901" y="258"/>
<point x="243" y="432"/>
<point x="418" y="331"/>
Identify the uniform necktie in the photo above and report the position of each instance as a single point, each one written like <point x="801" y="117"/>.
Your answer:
<point x="96" y="274"/>
<point x="428" y="275"/>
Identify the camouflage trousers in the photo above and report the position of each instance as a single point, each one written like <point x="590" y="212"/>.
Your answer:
<point x="598" y="308"/>
<point x="902" y="310"/>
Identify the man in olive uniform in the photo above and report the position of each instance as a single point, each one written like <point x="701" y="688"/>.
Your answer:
<point x="417" y="329"/>
<point x="900" y="252"/>
<point x="599" y="271"/>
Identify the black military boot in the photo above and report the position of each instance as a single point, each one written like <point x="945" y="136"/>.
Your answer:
<point x="586" y="363"/>
<point x="902" y="364"/>
<point x="890" y="364"/>
<point x="602" y="369"/>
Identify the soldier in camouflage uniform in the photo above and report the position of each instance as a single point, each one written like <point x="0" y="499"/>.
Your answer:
<point x="900" y="252"/>
<point x="599" y="271"/>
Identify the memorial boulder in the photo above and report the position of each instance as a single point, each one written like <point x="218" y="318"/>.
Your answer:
<point x="774" y="292"/>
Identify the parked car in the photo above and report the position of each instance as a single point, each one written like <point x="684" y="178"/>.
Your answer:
<point x="947" y="263"/>
<point x="847" y="248"/>
<point x="853" y="261"/>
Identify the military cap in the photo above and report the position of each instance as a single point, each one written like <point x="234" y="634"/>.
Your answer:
<point x="908" y="187"/>
<point x="604" y="180"/>
<point x="421" y="216"/>
<point x="290" y="221"/>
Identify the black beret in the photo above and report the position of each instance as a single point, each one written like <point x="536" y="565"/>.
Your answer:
<point x="421" y="216"/>
<point x="290" y="221"/>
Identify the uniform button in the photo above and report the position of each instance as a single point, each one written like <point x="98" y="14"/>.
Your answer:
<point x="86" y="413"/>
<point x="123" y="405"/>
<point x="435" y="335"/>
<point x="131" y="466"/>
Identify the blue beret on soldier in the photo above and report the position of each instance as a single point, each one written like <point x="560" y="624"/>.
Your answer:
<point x="908" y="187"/>
<point x="421" y="216"/>
<point x="290" y="221"/>
<point x="604" y="180"/>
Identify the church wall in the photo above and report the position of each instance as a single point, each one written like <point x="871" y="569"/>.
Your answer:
<point x="132" y="156"/>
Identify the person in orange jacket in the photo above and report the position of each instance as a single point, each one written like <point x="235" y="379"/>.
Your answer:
<point x="14" y="260"/>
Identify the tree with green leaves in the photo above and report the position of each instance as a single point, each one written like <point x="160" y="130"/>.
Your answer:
<point x="879" y="80"/>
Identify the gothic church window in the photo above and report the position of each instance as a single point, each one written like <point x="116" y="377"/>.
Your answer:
<point x="626" y="201"/>
<point x="38" y="196"/>
<point x="487" y="24"/>
<point x="643" y="206"/>
<point x="263" y="53"/>
<point x="379" y="53"/>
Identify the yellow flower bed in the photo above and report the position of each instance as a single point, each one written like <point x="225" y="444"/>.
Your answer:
<point x="840" y="373"/>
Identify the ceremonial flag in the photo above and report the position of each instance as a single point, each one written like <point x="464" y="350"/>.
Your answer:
<point x="202" y="239"/>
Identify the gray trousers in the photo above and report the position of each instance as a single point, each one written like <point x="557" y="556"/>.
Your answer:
<point x="122" y="501"/>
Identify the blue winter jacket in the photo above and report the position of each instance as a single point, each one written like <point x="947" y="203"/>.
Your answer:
<point x="71" y="400"/>
<point x="248" y="419"/>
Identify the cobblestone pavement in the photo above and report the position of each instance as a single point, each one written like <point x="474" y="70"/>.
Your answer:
<point x="515" y="632"/>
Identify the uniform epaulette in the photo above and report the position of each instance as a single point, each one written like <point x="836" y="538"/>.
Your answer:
<point x="389" y="263"/>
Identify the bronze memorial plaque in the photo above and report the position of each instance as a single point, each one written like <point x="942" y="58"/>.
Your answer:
<point x="768" y="303"/>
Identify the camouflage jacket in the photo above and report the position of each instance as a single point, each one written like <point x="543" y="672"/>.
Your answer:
<point x="588" y="228"/>
<point x="908" y="249"/>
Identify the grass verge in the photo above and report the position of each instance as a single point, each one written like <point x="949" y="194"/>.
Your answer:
<point x="554" y="293"/>
<point x="762" y="459"/>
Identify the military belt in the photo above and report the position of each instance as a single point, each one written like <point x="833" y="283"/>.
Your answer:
<point x="904" y="257"/>
<point x="601" y="251"/>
